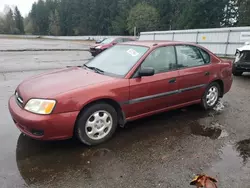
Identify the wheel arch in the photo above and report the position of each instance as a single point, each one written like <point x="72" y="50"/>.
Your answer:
<point x="221" y="84"/>
<point x="112" y="102"/>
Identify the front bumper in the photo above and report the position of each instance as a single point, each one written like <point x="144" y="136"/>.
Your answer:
<point x="95" y="52"/>
<point x="42" y="127"/>
<point x="241" y="67"/>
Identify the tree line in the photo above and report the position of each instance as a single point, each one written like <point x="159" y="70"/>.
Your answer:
<point x="12" y="22"/>
<point x="119" y="17"/>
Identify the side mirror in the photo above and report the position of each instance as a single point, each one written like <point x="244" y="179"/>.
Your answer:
<point x="114" y="43"/>
<point x="147" y="71"/>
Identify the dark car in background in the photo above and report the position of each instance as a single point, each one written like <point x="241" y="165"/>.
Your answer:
<point x="242" y="60"/>
<point x="107" y="43"/>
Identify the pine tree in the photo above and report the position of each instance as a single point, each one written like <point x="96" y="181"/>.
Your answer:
<point x="54" y="23"/>
<point x="18" y="22"/>
<point x="244" y="12"/>
<point x="9" y="21"/>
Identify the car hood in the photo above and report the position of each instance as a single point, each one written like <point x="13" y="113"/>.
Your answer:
<point x="102" y="45"/>
<point x="50" y="84"/>
<point x="244" y="48"/>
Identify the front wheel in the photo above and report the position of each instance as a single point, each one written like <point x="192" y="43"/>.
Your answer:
<point x="96" y="124"/>
<point x="211" y="96"/>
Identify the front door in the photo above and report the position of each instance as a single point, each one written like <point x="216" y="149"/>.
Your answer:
<point x="195" y="70"/>
<point x="148" y="94"/>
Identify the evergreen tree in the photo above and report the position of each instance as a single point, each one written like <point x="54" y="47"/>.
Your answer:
<point x="9" y="23"/>
<point x="18" y="22"/>
<point x="244" y="12"/>
<point x="115" y="17"/>
<point x="201" y="14"/>
<point x="54" y="23"/>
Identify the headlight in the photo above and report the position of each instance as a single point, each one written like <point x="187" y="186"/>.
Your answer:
<point x="237" y="57"/>
<point x="40" y="106"/>
<point x="98" y="47"/>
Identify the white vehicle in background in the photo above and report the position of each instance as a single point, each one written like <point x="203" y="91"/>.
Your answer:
<point x="242" y="60"/>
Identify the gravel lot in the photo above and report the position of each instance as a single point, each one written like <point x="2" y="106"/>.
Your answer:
<point x="165" y="150"/>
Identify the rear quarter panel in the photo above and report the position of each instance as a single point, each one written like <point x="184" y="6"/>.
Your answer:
<point x="221" y="69"/>
<point x="226" y="74"/>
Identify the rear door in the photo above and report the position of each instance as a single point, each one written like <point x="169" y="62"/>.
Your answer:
<point x="195" y="70"/>
<point x="148" y="94"/>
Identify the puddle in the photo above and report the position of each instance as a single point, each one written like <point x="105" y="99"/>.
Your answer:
<point x="243" y="148"/>
<point x="234" y="162"/>
<point x="38" y="161"/>
<point x="230" y="161"/>
<point x="212" y="130"/>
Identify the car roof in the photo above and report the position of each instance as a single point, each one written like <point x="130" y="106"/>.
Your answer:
<point x="152" y="43"/>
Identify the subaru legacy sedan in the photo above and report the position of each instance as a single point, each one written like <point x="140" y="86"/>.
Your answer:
<point x="129" y="81"/>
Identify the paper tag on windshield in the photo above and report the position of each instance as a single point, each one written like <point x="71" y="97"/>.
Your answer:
<point x="133" y="52"/>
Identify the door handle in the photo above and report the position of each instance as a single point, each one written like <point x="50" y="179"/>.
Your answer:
<point x="172" y="81"/>
<point x="207" y="73"/>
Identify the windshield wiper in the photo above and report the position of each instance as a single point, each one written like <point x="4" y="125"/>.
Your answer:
<point x="95" y="69"/>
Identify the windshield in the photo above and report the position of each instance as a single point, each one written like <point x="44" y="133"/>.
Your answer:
<point x="245" y="56"/>
<point x="107" y="41"/>
<point x="117" y="60"/>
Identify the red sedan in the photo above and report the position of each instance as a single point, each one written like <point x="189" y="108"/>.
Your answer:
<point x="126" y="82"/>
<point x="108" y="43"/>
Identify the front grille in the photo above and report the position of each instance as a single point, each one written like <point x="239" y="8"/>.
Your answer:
<point x="19" y="99"/>
<point x="245" y="66"/>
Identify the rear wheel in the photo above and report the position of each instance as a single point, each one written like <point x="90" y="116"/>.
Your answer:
<point x="237" y="73"/>
<point x="211" y="96"/>
<point x="96" y="124"/>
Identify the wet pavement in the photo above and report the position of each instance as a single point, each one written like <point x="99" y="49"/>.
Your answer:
<point x="41" y="44"/>
<point x="165" y="150"/>
<point x="35" y="61"/>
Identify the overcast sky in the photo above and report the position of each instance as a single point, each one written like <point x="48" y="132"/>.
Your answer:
<point x="23" y="5"/>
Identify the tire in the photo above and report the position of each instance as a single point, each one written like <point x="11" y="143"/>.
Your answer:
<point x="205" y="100"/>
<point x="88" y="124"/>
<point x="237" y="73"/>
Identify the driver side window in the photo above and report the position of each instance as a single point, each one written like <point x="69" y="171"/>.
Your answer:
<point x="162" y="59"/>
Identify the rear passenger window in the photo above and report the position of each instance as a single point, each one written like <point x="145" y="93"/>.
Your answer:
<point x="205" y="55"/>
<point x="188" y="56"/>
